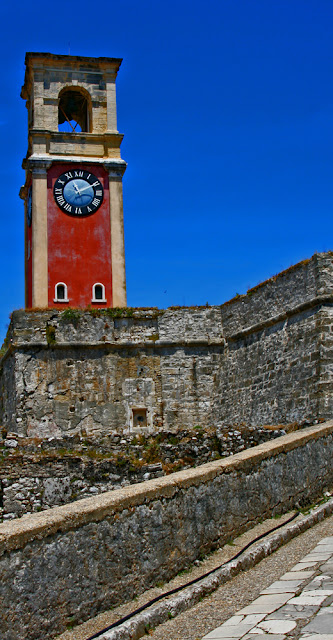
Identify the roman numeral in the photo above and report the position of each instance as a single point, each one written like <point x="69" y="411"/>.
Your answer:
<point x="88" y="209"/>
<point x="61" y="181"/>
<point x="78" y="210"/>
<point x="99" y="192"/>
<point x="68" y="207"/>
<point x="78" y="174"/>
<point x="60" y="200"/>
<point x="58" y="191"/>
<point x="68" y="175"/>
<point x="96" y="202"/>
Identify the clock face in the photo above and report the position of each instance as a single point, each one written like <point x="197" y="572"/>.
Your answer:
<point x="78" y="192"/>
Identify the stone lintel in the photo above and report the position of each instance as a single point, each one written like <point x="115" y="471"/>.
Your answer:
<point x="79" y="137"/>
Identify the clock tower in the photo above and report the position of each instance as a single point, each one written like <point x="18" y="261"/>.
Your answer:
<point x="74" y="234"/>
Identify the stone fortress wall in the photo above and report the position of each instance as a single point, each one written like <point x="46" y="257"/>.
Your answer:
<point x="261" y="358"/>
<point x="74" y="561"/>
<point x="40" y="474"/>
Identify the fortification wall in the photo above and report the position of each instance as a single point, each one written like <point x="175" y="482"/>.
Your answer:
<point x="40" y="474"/>
<point x="74" y="561"/>
<point x="262" y="358"/>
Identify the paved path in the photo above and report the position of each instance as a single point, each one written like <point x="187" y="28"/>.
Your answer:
<point x="240" y="592"/>
<point x="244" y="588"/>
<point x="298" y="605"/>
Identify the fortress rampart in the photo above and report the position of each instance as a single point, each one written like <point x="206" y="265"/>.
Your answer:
<point x="74" y="561"/>
<point x="262" y="358"/>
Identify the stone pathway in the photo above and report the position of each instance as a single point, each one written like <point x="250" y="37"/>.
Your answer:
<point x="297" y="606"/>
<point x="223" y="603"/>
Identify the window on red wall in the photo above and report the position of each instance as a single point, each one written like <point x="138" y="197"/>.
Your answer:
<point x="60" y="292"/>
<point x="98" y="293"/>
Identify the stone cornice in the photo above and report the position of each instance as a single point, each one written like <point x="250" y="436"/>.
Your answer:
<point x="111" y="164"/>
<point x="38" y="60"/>
<point x="38" y="166"/>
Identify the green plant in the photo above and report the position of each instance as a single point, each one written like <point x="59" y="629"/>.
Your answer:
<point x="71" y="621"/>
<point x="93" y="454"/>
<point x="135" y="464"/>
<point x="50" y="335"/>
<point x="119" y="312"/>
<point x="160" y="584"/>
<point x="154" y="337"/>
<point x="152" y="453"/>
<point x="121" y="460"/>
<point x="71" y="316"/>
<point x="230" y="542"/>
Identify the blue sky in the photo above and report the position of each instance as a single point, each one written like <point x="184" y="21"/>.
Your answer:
<point x="227" y="111"/>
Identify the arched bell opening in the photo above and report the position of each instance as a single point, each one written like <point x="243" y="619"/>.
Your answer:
<point x="74" y="110"/>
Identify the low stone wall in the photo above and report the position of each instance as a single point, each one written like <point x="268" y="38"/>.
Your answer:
<point x="40" y="474"/>
<point x="71" y="562"/>
<point x="261" y="358"/>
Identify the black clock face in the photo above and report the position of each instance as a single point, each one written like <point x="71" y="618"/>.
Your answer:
<point x="78" y="192"/>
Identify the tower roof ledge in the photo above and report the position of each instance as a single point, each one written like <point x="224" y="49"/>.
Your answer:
<point x="55" y="57"/>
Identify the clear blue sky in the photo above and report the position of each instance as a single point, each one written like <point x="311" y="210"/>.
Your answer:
<point x="227" y="111"/>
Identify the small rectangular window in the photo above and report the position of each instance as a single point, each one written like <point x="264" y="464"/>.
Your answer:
<point x="139" y="417"/>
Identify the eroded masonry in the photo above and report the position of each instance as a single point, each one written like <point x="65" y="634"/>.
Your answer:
<point x="262" y="358"/>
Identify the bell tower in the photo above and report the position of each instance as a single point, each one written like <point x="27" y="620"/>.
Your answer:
<point x="74" y="233"/>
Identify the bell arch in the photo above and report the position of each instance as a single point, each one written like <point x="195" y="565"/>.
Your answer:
<point x="74" y="110"/>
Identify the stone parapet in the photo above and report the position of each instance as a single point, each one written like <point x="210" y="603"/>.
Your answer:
<point x="40" y="474"/>
<point x="107" y="549"/>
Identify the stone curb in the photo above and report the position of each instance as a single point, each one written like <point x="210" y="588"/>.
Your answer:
<point x="163" y="611"/>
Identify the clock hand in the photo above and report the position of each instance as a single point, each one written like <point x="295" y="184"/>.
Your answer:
<point x="77" y="190"/>
<point x="85" y="188"/>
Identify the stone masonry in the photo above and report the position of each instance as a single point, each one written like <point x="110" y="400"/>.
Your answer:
<point x="40" y="474"/>
<point x="262" y="358"/>
<point x="74" y="561"/>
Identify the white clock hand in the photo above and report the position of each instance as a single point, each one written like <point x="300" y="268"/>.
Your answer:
<point x="76" y="188"/>
<point x="90" y="186"/>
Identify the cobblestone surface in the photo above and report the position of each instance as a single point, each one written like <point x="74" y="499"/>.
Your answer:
<point x="212" y="611"/>
<point x="299" y="605"/>
<point x="240" y="592"/>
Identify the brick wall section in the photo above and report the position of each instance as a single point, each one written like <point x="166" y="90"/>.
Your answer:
<point x="262" y="358"/>
<point x="76" y="560"/>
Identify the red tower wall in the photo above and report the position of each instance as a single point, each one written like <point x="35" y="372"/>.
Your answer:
<point x="28" y="266"/>
<point x="79" y="248"/>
